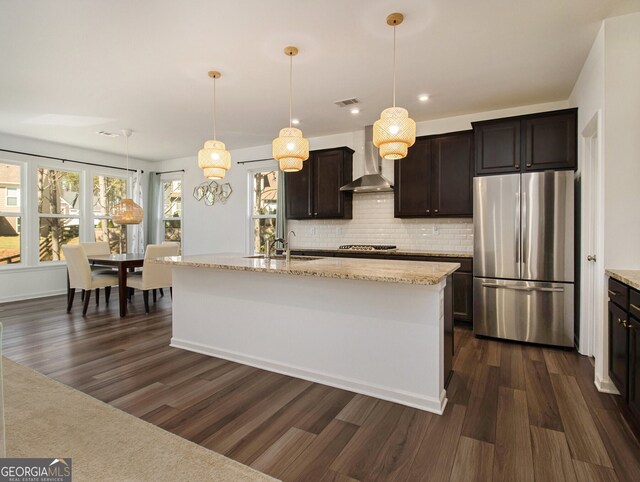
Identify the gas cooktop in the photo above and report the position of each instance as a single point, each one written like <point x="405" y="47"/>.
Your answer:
<point x="367" y="247"/>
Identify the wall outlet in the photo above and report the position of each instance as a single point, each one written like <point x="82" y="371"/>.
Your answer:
<point x="436" y="229"/>
<point x="314" y="231"/>
<point x="339" y="231"/>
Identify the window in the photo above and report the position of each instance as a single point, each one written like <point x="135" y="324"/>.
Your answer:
<point x="107" y="192"/>
<point x="10" y="214"/>
<point x="13" y="197"/>
<point x="172" y="209"/>
<point x="59" y="211"/>
<point x="264" y="198"/>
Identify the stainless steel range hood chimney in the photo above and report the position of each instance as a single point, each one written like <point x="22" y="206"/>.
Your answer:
<point x="372" y="181"/>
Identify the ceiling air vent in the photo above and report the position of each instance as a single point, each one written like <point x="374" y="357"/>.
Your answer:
<point x="107" y="134"/>
<point x="346" y="102"/>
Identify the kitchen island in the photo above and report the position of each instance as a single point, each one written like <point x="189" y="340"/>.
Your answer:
<point x="378" y="327"/>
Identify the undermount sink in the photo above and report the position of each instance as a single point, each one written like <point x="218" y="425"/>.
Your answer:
<point x="282" y="257"/>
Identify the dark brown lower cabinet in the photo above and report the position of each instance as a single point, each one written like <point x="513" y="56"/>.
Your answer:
<point x="463" y="296"/>
<point x="618" y="348"/>
<point x="634" y="368"/>
<point x="624" y="348"/>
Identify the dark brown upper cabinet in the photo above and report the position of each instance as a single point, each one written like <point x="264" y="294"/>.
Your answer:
<point x="435" y="179"/>
<point x="314" y="192"/>
<point x="412" y="177"/>
<point x="497" y="145"/>
<point x="533" y="142"/>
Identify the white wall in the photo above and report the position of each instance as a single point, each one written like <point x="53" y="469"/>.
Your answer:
<point x="224" y="228"/>
<point x="32" y="279"/>
<point x="622" y="142"/>
<point x="607" y="89"/>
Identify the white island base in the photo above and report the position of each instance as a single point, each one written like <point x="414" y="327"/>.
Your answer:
<point x="381" y="339"/>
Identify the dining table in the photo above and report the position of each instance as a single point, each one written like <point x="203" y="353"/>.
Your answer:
<point x="124" y="262"/>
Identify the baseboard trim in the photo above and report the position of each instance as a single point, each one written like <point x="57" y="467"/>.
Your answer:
<point x="605" y="385"/>
<point x="409" y="399"/>
<point x="31" y="296"/>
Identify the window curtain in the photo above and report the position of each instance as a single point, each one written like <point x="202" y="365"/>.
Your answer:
<point x="137" y="230"/>
<point x="154" y="217"/>
<point x="281" y="219"/>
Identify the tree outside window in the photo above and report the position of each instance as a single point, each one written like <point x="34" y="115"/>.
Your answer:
<point x="263" y="213"/>
<point x="172" y="209"/>
<point x="107" y="192"/>
<point x="59" y="211"/>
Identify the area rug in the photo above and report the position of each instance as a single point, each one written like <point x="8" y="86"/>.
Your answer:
<point x="47" y="419"/>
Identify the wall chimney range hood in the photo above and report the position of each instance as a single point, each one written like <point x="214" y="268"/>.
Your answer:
<point x="372" y="181"/>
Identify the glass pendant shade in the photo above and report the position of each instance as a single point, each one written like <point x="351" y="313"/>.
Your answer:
<point x="127" y="212"/>
<point x="394" y="133"/>
<point x="290" y="149"/>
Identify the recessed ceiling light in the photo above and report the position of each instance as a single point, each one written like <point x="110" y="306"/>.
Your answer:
<point x="295" y="122"/>
<point x="423" y="97"/>
<point x="107" y="134"/>
<point x="355" y="111"/>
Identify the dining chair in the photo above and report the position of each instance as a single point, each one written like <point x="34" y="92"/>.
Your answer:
<point x="154" y="276"/>
<point x="97" y="248"/>
<point x="81" y="276"/>
<point x="100" y="247"/>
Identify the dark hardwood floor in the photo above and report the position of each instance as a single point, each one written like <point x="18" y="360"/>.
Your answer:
<point x="515" y="412"/>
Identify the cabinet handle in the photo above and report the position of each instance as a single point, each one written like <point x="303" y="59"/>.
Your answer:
<point x="517" y="166"/>
<point x="635" y="307"/>
<point x="613" y="293"/>
<point x="624" y="323"/>
<point x="428" y="211"/>
<point x="435" y="210"/>
<point x="529" y="165"/>
<point x="315" y="214"/>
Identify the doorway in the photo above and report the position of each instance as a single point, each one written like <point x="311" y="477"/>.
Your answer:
<point x="593" y="332"/>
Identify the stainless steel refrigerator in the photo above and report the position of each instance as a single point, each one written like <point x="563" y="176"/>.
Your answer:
<point x="523" y="261"/>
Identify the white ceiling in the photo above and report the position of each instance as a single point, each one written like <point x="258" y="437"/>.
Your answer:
<point x="71" y="68"/>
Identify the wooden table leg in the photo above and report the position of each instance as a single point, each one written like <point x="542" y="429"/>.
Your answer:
<point x="122" y="290"/>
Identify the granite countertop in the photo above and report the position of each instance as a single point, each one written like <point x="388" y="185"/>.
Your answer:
<point x="390" y="271"/>
<point x="626" y="276"/>
<point x="394" y="252"/>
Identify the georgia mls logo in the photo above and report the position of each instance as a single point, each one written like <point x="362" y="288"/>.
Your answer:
<point x="63" y="463"/>
<point x="35" y="470"/>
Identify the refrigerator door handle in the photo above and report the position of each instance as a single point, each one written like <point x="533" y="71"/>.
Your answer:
<point x="525" y="225"/>
<point x="522" y="288"/>
<point x="516" y="226"/>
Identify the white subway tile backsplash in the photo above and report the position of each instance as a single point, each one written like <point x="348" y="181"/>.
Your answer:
<point x="373" y="223"/>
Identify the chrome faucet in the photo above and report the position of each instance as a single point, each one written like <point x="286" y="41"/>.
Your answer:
<point x="267" y="248"/>
<point x="288" y="245"/>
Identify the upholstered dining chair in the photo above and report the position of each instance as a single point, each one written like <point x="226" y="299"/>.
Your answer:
<point x="100" y="247"/>
<point x="154" y="276"/>
<point x="81" y="276"/>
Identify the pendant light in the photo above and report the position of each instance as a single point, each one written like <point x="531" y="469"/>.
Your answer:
<point x="214" y="159"/>
<point x="395" y="131"/>
<point x="127" y="211"/>
<point x="290" y="149"/>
